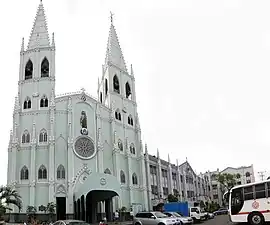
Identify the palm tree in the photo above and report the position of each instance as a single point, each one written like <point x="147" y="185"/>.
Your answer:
<point x="9" y="196"/>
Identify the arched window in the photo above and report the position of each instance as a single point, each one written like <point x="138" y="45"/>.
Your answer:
<point x="120" y="145"/>
<point x="61" y="173"/>
<point x="100" y="97"/>
<point x="134" y="179"/>
<point x="28" y="72"/>
<point x="122" y="177"/>
<point x="24" y="173"/>
<point x="117" y="115"/>
<point x="45" y="68"/>
<point x="26" y="137"/>
<point x="107" y="171"/>
<point x="106" y="86"/>
<point x="116" y="86"/>
<point x="132" y="148"/>
<point x="42" y="172"/>
<point x="27" y="103"/>
<point x="247" y="174"/>
<point x="128" y="91"/>
<point x="44" y="102"/>
<point x="130" y="120"/>
<point x="43" y="136"/>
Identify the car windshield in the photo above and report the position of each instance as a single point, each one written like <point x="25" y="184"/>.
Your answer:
<point x="77" y="223"/>
<point x="176" y="214"/>
<point x="160" y="215"/>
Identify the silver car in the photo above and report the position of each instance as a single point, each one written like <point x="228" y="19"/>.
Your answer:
<point x="70" y="222"/>
<point x="153" y="218"/>
<point x="180" y="219"/>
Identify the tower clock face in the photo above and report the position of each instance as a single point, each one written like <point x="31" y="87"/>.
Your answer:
<point x="84" y="148"/>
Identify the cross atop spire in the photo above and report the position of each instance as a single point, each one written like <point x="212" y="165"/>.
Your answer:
<point x="39" y="35"/>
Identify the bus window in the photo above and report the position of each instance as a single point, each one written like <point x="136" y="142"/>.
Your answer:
<point x="248" y="193"/>
<point x="268" y="189"/>
<point x="237" y="200"/>
<point x="260" y="191"/>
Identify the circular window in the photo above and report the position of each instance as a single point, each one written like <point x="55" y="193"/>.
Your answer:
<point x="84" y="147"/>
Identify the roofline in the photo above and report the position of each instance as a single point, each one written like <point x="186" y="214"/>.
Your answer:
<point x="236" y="168"/>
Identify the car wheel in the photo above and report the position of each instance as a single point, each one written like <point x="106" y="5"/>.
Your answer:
<point x="255" y="218"/>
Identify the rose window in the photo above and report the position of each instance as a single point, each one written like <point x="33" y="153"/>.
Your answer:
<point x="84" y="147"/>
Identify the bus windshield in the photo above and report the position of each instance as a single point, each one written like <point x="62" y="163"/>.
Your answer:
<point x="237" y="200"/>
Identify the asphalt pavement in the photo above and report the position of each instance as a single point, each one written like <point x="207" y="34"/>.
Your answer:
<point x="218" y="220"/>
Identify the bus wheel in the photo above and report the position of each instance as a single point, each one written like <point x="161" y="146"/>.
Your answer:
<point x="255" y="218"/>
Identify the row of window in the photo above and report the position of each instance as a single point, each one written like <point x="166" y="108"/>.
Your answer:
<point x="116" y="88"/>
<point x="29" y="69"/>
<point x="61" y="174"/>
<point x="42" y="173"/>
<point x="131" y="147"/>
<point x="44" y="102"/>
<point x="43" y="136"/>
<point x="118" y="116"/>
<point x="123" y="177"/>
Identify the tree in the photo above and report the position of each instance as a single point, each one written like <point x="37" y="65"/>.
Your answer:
<point x="9" y="196"/>
<point x="50" y="209"/>
<point x="228" y="181"/>
<point x="202" y="205"/>
<point x="172" y="198"/>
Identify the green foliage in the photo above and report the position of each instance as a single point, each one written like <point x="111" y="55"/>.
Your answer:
<point x="123" y="209"/>
<point x="228" y="180"/>
<point x="202" y="205"/>
<point x="212" y="207"/>
<point x="172" y="198"/>
<point x="9" y="196"/>
<point x="31" y="210"/>
<point x="50" y="208"/>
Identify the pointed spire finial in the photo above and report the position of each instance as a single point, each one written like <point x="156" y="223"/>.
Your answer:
<point x="157" y="153"/>
<point x="146" y="150"/>
<point x="22" y="46"/>
<point x="53" y="43"/>
<point x="131" y="70"/>
<point x="186" y="159"/>
<point x="111" y="17"/>
<point x="177" y="163"/>
<point x="169" y="160"/>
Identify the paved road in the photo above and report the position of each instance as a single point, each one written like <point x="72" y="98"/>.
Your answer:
<point x="218" y="220"/>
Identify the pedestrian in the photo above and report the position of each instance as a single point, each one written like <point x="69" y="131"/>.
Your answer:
<point x="116" y="216"/>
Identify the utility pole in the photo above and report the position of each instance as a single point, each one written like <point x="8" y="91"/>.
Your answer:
<point x="261" y="174"/>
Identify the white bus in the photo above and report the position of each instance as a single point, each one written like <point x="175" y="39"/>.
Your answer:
<point x="250" y="203"/>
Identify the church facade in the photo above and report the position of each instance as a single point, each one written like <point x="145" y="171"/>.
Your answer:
<point x="84" y="154"/>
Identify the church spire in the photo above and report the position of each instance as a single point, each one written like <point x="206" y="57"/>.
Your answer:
<point x="39" y="35"/>
<point x="114" y="53"/>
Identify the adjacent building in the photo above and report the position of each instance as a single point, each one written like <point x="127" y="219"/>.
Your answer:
<point x="164" y="178"/>
<point x="217" y="190"/>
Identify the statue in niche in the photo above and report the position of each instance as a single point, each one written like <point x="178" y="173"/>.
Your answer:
<point x="83" y="122"/>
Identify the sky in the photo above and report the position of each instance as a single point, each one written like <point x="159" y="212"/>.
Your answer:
<point x="201" y="69"/>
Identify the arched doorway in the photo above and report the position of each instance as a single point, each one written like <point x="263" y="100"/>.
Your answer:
<point x="93" y="198"/>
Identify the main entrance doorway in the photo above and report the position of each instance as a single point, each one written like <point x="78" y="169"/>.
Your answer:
<point x="86" y="207"/>
<point x="60" y="208"/>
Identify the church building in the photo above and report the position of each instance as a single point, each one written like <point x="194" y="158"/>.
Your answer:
<point x="84" y="154"/>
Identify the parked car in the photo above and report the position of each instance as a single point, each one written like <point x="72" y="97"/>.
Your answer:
<point x="153" y="218"/>
<point x="210" y="215"/>
<point x="181" y="220"/>
<point x="221" y="211"/>
<point x="70" y="222"/>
